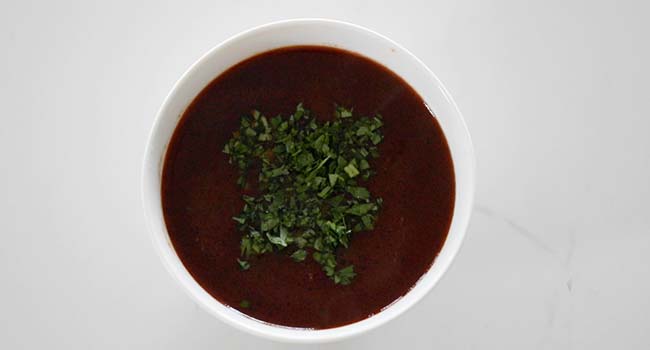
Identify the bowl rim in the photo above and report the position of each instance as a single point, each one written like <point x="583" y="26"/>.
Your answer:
<point x="246" y="323"/>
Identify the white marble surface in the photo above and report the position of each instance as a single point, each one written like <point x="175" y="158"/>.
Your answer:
<point x="555" y="94"/>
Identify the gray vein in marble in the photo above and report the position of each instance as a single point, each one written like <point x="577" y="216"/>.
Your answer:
<point x="521" y="230"/>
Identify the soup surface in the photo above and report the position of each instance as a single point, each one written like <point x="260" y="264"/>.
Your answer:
<point x="414" y="177"/>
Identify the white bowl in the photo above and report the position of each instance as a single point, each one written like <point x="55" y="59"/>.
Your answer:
<point x="308" y="32"/>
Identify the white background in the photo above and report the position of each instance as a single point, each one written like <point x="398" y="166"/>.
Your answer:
<point x="556" y="97"/>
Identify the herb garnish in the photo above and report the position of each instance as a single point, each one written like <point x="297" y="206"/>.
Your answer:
<point x="305" y="174"/>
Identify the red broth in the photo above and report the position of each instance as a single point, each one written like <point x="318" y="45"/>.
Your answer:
<point x="415" y="178"/>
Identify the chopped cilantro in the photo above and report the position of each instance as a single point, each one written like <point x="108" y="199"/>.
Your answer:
<point x="306" y="174"/>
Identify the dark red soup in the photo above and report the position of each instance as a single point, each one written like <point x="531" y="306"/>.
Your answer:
<point x="414" y="176"/>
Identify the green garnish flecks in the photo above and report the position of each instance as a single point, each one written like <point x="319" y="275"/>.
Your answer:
<point x="243" y="264"/>
<point x="299" y="255"/>
<point x="306" y="175"/>
<point x="345" y="275"/>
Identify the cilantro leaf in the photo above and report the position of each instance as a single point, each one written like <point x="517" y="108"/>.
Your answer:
<point x="345" y="275"/>
<point x="359" y="192"/>
<point x="243" y="264"/>
<point x="351" y="169"/>
<point x="299" y="255"/>
<point x="361" y="209"/>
